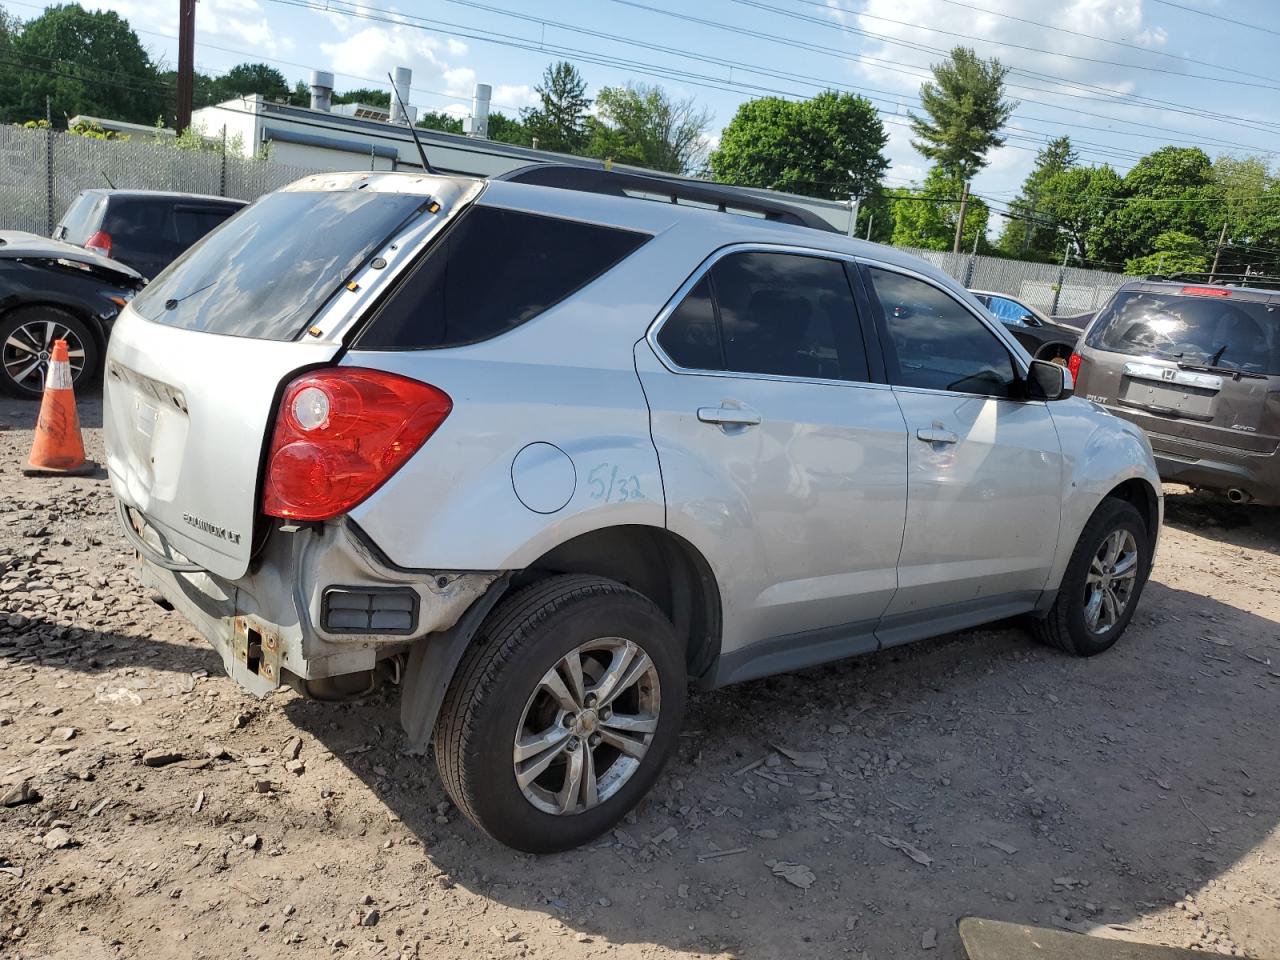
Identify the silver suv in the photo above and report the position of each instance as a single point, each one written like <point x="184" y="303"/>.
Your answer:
<point x="543" y="452"/>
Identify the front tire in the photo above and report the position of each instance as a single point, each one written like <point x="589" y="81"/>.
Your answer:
<point x="1103" y="582"/>
<point x="562" y="714"/>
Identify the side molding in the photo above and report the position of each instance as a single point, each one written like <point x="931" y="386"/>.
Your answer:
<point x="432" y="663"/>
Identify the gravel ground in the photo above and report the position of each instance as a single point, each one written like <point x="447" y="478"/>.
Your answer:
<point x="152" y="809"/>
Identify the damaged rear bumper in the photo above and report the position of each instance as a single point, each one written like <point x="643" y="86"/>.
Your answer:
<point x="317" y="603"/>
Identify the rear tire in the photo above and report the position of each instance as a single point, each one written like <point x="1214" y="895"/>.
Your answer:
<point x="519" y="719"/>
<point x="26" y="332"/>
<point x="1084" y="620"/>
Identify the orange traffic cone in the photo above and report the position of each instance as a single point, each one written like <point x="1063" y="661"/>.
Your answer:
<point x="58" y="447"/>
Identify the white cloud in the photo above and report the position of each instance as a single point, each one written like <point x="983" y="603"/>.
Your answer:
<point x="456" y="48"/>
<point x="459" y="81"/>
<point x="508" y="96"/>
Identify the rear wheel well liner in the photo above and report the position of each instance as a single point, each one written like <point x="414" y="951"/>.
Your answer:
<point x="662" y="566"/>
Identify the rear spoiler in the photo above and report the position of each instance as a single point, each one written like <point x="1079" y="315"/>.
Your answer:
<point x="719" y="196"/>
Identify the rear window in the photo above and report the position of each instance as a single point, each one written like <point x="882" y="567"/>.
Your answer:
<point x="81" y="218"/>
<point x="271" y="269"/>
<point x="492" y="271"/>
<point x="1215" y="331"/>
<point x="140" y="228"/>
<point x="192" y="223"/>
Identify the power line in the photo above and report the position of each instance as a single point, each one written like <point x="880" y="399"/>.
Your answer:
<point x="1054" y="53"/>
<point x="1218" y="16"/>
<point x="1165" y="105"/>
<point x="923" y="73"/>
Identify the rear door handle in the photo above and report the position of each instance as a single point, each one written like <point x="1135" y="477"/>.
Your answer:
<point x="728" y="416"/>
<point x="936" y="434"/>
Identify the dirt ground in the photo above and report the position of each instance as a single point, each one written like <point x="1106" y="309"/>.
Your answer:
<point x="1135" y="795"/>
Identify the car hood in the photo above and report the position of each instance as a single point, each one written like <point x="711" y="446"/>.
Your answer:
<point x="19" y="245"/>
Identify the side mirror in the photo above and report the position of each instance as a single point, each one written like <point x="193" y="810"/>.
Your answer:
<point x="1030" y="320"/>
<point x="1049" y="381"/>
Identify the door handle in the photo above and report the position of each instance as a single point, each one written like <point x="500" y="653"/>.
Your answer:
<point x="728" y="416"/>
<point x="936" y="434"/>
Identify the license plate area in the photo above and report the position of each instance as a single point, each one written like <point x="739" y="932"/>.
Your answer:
<point x="256" y="649"/>
<point x="1169" y="390"/>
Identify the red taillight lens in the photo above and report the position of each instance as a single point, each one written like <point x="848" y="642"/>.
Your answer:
<point x="99" y="242"/>
<point x="1074" y="366"/>
<point x="1205" y="292"/>
<point x="340" y="434"/>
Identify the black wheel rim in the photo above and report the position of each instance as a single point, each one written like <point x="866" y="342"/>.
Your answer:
<point x="28" y="348"/>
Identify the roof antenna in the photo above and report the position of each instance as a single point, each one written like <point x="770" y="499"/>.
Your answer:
<point x="395" y="92"/>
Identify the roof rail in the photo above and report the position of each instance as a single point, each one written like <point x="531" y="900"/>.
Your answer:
<point x="1258" y="281"/>
<point x="723" y="197"/>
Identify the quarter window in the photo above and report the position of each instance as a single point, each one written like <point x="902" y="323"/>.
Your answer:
<point x="935" y="343"/>
<point x="769" y="313"/>
<point x="493" y="270"/>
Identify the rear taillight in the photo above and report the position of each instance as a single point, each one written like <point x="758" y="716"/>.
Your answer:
<point x="340" y="433"/>
<point x="1074" y="366"/>
<point x="100" y="242"/>
<point x="1205" y="292"/>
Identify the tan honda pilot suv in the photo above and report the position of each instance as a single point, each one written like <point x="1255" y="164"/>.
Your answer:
<point x="1197" y="366"/>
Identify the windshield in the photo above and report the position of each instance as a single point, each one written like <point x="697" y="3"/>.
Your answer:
<point x="1216" y="331"/>
<point x="268" y="270"/>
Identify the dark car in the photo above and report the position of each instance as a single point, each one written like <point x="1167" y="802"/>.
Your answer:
<point x="1197" y="366"/>
<point x="50" y="290"/>
<point x="145" y="229"/>
<point x="1043" y="338"/>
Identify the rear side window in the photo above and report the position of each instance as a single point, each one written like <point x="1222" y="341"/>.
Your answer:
<point x="769" y="313"/>
<point x="192" y="223"/>
<point x="81" y="218"/>
<point x="490" y="272"/>
<point x="273" y="267"/>
<point x="1217" y="331"/>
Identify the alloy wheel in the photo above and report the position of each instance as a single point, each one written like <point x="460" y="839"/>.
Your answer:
<point x="587" y="726"/>
<point x="1109" y="586"/>
<point x="26" y="352"/>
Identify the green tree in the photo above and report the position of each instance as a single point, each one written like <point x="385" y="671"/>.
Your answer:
<point x="965" y="109"/>
<point x="1172" y="252"/>
<point x="1077" y="203"/>
<point x="84" y="62"/>
<point x="927" y="216"/>
<point x="301" y="95"/>
<point x="640" y="124"/>
<point x="1170" y="189"/>
<point x="370" y="95"/>
<point x="246" y="79"/>
<point x="506" y="129"/>
<point x="560" y="121"/>
<point x="1249" y="207"/>
<point x="444" y="122"/>
<point x="830" y="146"/>
<point x="1028" y="232"/>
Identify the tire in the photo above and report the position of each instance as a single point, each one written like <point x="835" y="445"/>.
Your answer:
<point x="29" y="329"/>
<point x="1067" y="625"/>
<point x="1054" y="353"/>
<point x="499" y="695"/>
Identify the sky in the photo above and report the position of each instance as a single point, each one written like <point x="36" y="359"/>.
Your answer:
<point x="1120" y="77"/>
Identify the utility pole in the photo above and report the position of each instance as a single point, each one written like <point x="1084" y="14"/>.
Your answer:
<point x="186" y="62"/>
<point x="871" y="218"/>
<point x="854" y="204"/>
<point x="964" y="204"/>
<point x="1218" y="251"/>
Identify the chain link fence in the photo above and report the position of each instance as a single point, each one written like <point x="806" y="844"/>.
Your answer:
<point x="41" y="171"/>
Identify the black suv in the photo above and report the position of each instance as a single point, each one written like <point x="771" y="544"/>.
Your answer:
<point x="144" y="229"/>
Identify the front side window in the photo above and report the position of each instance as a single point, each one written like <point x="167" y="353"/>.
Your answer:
<point x="769" y="313"/>
<point x="493" y="270"/>
<point x="935" y="343"/>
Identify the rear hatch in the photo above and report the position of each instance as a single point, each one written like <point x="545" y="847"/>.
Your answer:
<point x="196" y="363"/>
<point x="1192" y="365"/>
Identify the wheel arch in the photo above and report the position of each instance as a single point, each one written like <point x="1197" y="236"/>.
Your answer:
<point x="76" y="310"/>
<point x="1138" y="492"/>
<point x="655" y="562"/>
<point x="1053" y="348"/>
